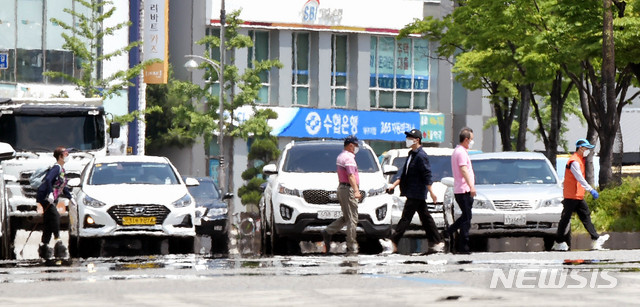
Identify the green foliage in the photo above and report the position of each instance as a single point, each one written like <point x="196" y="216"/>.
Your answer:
<point x="83" y="39"/>
<point x="250" y="193"/>
<point x="165" y="99"/>
<point x="617" y="209"/>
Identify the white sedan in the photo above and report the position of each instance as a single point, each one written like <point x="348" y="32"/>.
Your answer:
<point x="130" y="202"/>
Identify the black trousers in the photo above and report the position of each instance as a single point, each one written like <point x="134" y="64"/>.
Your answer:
<point x="580" y="207"/>
<point x="51" y="221"/>
<point x="465" y="202"/>
<point x="411" y="206"/>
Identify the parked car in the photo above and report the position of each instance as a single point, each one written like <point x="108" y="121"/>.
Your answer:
<point x="6" y="252"/>
<point x="211" y="210"/>
<point x="130" y="201"/>
<point x="518" y="194"/>
<point x="440" y="162"/>
<point x="300" y="198"/>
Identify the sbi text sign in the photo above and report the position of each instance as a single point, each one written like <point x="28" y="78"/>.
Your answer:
<point x="367" y="125"/>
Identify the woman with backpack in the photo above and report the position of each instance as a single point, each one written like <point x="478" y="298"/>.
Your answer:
<point x="53" y="186"/>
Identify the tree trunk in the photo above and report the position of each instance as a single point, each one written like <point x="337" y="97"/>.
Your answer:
<point x="609" y="122"/>
<point x="523" y="118"/>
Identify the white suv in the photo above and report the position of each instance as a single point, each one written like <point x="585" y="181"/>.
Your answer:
<point x="440" y="162"/>
<point x="300" y="198"/>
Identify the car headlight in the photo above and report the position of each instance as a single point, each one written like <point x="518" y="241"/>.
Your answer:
<point x="284" y="190"/>
<point x="552" y="202"/>
<point x="184" y="201"/>
<point x="213" y="212"/>
<point x="481" y="204"/>
<point x="376" y="192"/>
<point x="92" y="202"/>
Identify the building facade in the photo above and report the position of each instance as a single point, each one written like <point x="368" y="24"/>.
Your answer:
<point x="344" y="72"/>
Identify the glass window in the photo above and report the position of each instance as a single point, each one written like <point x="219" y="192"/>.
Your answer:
<point x="399" y="76"/>
<point x="339" y="56"/>
<point x="214" y="54"/>
<point x="58" y="59"/>
<point x="8" y="40"/>
<point x="300" y="68"/>
<point x="260" y="52"/>
<point x="29" y="48"/>
<point x="133" y="173"/>
<point x="324" y="159"/>
<point x="513" y="171"/>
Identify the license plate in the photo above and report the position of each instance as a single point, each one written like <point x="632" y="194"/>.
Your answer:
<point x="329" y="214"/>
<point x="439" y="223"/>
<point x="515" y="219"/>
<point x="139" y="220"/>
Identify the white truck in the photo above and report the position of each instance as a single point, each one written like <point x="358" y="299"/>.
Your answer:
<point x="34" y="128"/>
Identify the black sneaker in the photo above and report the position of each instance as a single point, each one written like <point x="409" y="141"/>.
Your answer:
<point x="59" y="250"/>
<point x="44" y="251"/>
<point x="326" y="238"/>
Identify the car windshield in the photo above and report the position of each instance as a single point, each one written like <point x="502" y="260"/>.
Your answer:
<point x="512" y="171"/>
<point x="204" y="192"/>
<point x="321" y="158"/>
<point x="440" y="167"/>
<point x="133" y="173"/>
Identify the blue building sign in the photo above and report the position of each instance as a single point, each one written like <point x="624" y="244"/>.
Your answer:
<point x="4" y="60"/>
<point x="338" y="123"/>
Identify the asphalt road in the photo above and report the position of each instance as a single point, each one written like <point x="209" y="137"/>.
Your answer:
<point x="506" y="278"/>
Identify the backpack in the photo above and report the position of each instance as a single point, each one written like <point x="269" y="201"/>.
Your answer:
<point x="37" y="177"/>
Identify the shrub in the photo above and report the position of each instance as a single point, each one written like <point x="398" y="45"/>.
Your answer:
<point x="617" y="209"/>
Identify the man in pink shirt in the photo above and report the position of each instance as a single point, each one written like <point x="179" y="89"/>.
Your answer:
<point x="348" y="195"/>
<point x="464" y="188"/>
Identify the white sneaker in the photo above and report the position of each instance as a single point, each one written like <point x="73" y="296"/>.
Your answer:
<point x="438" y="248"/>
<point x="597" y="243"/>
<point x="563" y="247"/>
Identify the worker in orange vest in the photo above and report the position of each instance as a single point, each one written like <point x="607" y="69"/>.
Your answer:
<point x="574" y="189"/>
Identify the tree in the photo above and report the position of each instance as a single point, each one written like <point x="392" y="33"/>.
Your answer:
<point x="85" y="41"/>
<point x="160" y="129"/>
<point x="264" y="149"/>
<point x="202" y="121"/>
<point x="593" y="28"/>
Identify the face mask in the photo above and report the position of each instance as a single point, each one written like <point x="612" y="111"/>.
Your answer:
<point x="356" y="149"/>
<point x="586" y="153"/>
<point x="409" y="142"/>
<point x="471" y="144"/>
<point x="66" y="159"/>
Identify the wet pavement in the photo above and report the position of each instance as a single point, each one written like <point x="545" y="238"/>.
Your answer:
<point x="314" y="279"/>
<point x="297" y="280"/>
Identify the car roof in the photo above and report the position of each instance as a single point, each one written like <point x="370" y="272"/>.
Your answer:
<point x="509" y="155"/>
<point x="432" y="151"/>
<point x="112" y="159"/>
<point x="322" y="142"/>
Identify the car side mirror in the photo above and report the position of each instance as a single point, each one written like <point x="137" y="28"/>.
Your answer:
<point x="6" y="152"/>
<point x="448" y="181"/>
<point x="389" y="169"/>
<point x="227" y="196"/>
<point x="74" y="182"/>
<point x="263" y="186"/>
<point x="114" y="130"/>
<point x="190" y="182"/>
<point x="270" y="169"/>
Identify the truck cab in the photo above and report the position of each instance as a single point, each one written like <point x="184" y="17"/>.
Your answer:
<point x="34" y="128"/>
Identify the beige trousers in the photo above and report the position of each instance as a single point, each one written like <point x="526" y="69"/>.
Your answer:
<point x="349" y="206"/>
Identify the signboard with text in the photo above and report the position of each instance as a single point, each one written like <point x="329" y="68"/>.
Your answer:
<point x="156" y="39"/>
<point x="432" y="127"/>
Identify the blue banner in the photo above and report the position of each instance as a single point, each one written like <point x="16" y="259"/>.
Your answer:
<point x="339" y="123"/>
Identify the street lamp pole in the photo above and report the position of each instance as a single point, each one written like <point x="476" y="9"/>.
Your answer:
<point x="192" y="65"/>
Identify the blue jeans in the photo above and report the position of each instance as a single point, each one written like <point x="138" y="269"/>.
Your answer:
<point x="465" y="202"/>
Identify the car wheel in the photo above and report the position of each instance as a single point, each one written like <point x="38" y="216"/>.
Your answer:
<point x="73" y="246"/>
<point x="370" y="245"/>
<point x="181" y="245"/>
<point x="220" y="244"/>
<point x="478" y="244"/>
<point x="278" y="245"/>
<point x="265" y="233"/>
<point x="89" y="247"/>
<point x="6" y="250"/>
<point x="548" y="242"/>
